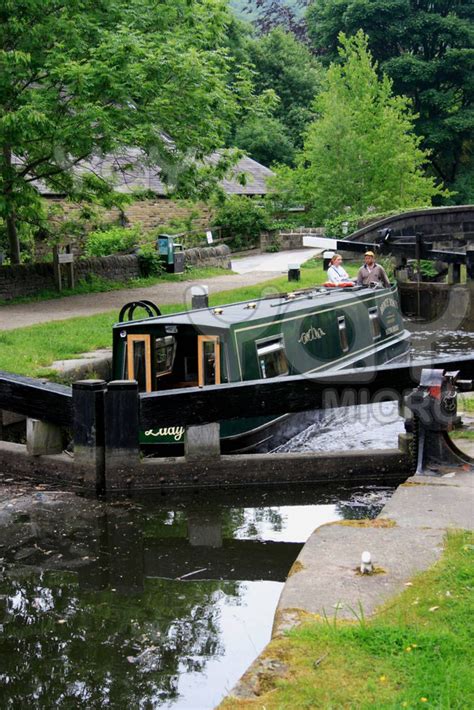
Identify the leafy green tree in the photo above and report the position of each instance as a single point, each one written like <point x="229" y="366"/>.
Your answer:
<point x="427" y="48"/>
<point x="266" y="140"/>
<point x="80" y="78"/>
<point x="243" y="219"/>
<point x="283" y="64"/>
<point x="361" y="151"/>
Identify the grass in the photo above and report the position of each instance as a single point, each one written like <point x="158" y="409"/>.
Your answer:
<point x="97" y="284"/>
<point x="416" y="652"/>
<point x="27" y="351"/>
<point x="462" y="434"/>
<point x="466" y="402"/>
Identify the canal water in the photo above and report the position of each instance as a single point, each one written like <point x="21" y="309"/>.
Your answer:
<point x="143" y="604"/>
<point x="164" y="602"/>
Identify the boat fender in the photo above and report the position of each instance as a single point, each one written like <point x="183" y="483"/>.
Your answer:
<point x="342" y="284"/>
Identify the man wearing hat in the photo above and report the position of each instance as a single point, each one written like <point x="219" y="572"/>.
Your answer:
<point x="372" y="273"/>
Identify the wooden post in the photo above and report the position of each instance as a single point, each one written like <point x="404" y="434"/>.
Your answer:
<point x="121" y="432"/>
<point x="43" y="438"/>
<point x="67" y="258"/>
<point x="294" y="273"/>
<point x="202" y="442"/>
<point x="88" y="427"/>
<point x="199" y="296"/>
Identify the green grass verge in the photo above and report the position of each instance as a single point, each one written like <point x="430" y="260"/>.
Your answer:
<point x="467" y="434"/>
<point x="466" y="402"/>
<point x="417" y="651"/>
<point x="27" y="351"/>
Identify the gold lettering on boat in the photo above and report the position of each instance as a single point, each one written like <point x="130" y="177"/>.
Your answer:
<point x="311" y="334"/>
<point x="387" y="303"/>
<point x="174" y="431"/>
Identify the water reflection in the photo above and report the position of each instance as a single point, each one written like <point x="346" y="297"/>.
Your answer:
<point x="442" y="342"/>
<point x="162" y="604"/>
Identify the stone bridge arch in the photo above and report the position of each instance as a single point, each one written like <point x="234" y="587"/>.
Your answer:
<point x="443" y="223"/>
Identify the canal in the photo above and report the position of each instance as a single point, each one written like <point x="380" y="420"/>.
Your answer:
<point x="165" y="601"/>
<point x="156" y="603"/>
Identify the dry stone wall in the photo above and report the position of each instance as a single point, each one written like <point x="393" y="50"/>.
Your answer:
<point x="26" y="280"/>
<point x="288" y="239"/>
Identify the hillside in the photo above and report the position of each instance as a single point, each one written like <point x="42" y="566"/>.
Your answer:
<point x="247" y="9"/>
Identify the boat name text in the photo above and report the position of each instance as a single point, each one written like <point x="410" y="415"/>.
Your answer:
<point x="312" y="334"/>
<point x="387" y="303"/>
<point x="175" y="431"/>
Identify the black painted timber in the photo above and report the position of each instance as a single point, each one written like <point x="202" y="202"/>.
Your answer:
<point x="194" y="406"/>
<point x="36" y="399"/>
<point x="403" y="248"/>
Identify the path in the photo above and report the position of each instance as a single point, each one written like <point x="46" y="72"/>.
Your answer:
<point x="277" y="262"/>
<point x="24" y="314"/>
<point x="249" y="272"/>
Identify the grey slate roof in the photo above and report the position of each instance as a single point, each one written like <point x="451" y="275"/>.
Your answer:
<point x="130" y="174"/>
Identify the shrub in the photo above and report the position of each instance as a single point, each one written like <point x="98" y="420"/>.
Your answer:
<point x="111" y="241"/>
<point x="243" y="219"/>
<point x="151" y="264"/>
<point x="342" y="225"/>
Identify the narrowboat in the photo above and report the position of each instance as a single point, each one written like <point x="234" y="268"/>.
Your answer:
<point x="314" y="330"/>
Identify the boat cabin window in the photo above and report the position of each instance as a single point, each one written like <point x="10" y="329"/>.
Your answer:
<point x="209" y="358"/>
<point x="272" y="359"/>
<point x="165" y="351"/>
<point x="341" y="324"/>
<point x="375" y="322"/>
<point x="138" y="361"/>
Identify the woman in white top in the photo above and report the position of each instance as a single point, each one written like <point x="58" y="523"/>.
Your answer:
<point x="336" y="273"/>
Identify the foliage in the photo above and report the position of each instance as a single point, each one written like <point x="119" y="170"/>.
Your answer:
<point x="95" y="77"/>
<point x="341" y="225"/>
<point x="360" y="153"/>
<point x="428" y="51"/>
<point x="265" y="140"/>
<point x="112" y="241"/>
<point x="151" y="264"/>
<point x="243" y="218"/>
<point x="428" y="269"/>
<point x="285" y="66"/>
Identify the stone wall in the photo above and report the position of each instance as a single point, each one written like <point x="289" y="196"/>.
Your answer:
<point x="150" y="214"/>
<point x="29" y="279"/>
<point x="288" y="239"/>
<point x="209" y="256"/>
<point x="444" y="305"/>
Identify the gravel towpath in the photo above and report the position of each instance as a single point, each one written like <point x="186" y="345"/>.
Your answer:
<point x="25" y="314"/>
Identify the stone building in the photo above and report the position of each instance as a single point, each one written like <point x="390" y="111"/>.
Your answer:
<point x="153" y="206"/>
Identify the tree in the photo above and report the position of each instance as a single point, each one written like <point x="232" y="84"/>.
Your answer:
<point x="284" y="66"/>
<point x="427" y="48"/>
<point x="81" y="78"/>
<point x="266" y="140"/>
<point x="361" y="151"/>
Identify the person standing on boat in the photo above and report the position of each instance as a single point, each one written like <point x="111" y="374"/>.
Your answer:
<point x="336" y="272"/>
<point x="371" y="273"/>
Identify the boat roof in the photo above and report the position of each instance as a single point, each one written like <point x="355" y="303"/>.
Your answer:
<point x="268" y="308"/>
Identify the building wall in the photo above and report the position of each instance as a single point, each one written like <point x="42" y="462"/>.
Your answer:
<point x="150" y="214"/>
